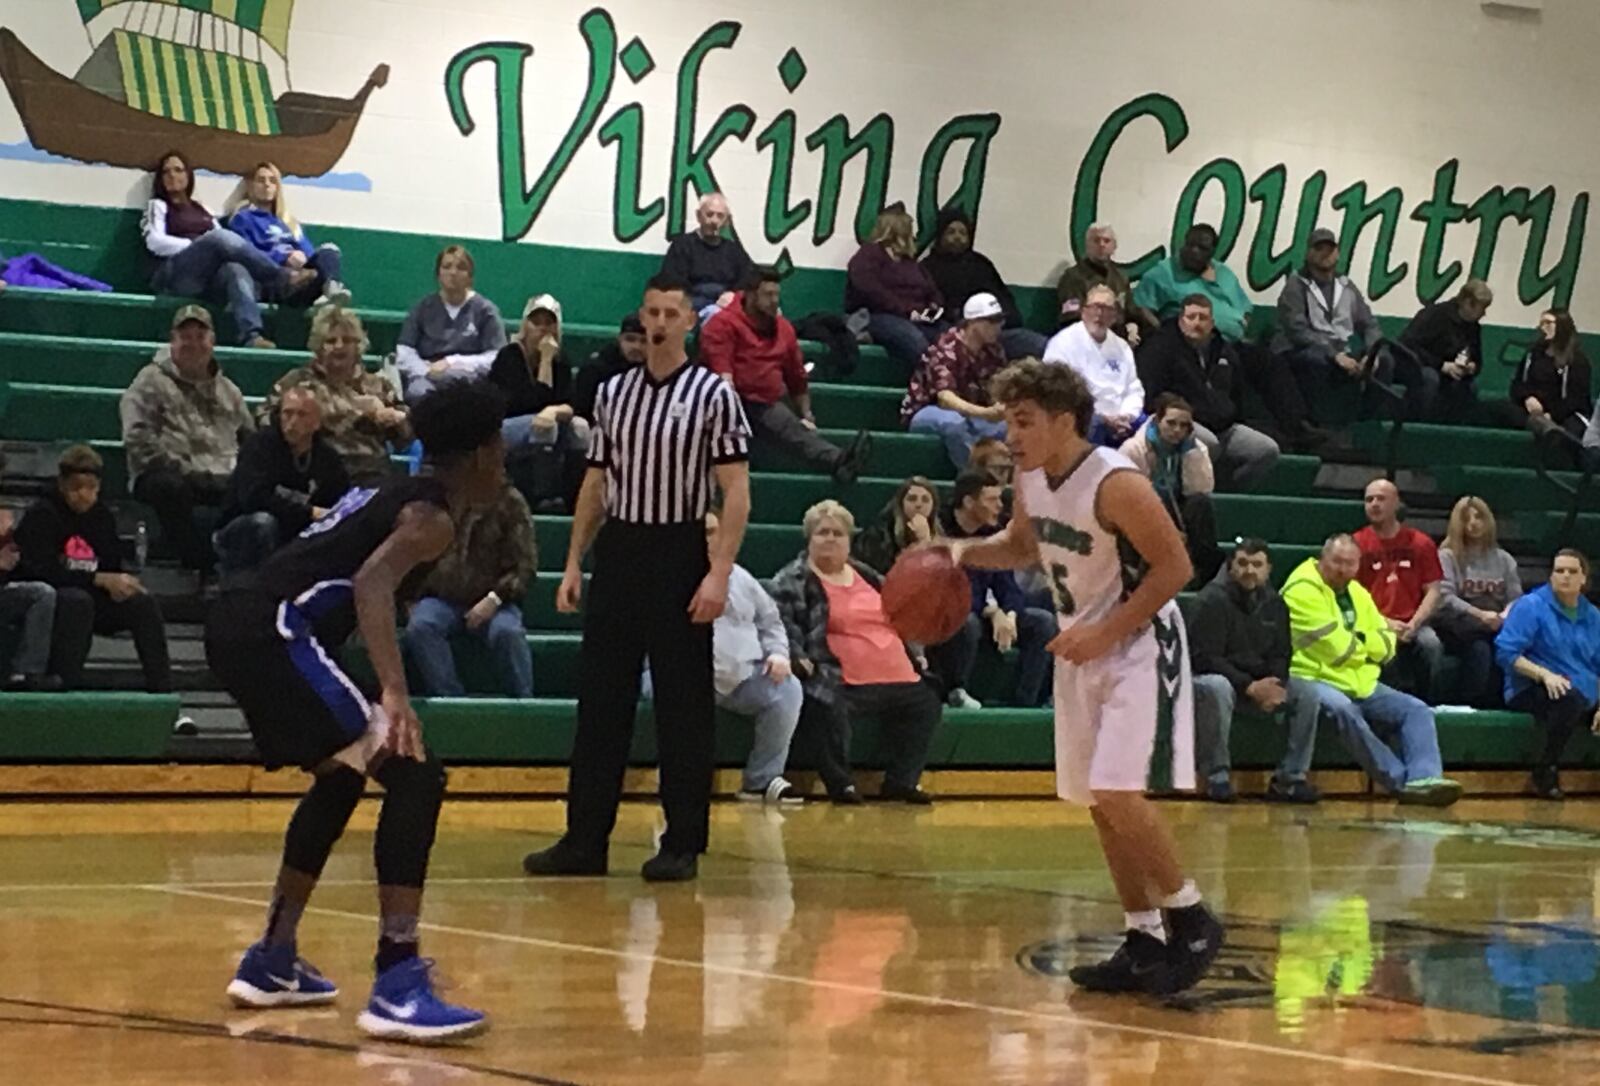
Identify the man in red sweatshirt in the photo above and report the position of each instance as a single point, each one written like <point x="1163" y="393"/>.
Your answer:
<point x="756" y="350"/>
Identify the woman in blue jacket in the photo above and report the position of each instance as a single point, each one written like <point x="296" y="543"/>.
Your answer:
<point x="1549" y="649"/>
<point x="259" y="214"/>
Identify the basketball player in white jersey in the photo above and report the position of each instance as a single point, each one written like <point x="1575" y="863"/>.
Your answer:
<point x="1124" y="719"/>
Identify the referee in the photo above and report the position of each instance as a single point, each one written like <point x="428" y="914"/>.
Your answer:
<point x="661" y="432"/>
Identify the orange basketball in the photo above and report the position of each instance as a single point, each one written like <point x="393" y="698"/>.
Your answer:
<point x="926" y="596"/>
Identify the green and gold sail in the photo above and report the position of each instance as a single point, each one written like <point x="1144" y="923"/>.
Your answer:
<point x="267" y="18"/>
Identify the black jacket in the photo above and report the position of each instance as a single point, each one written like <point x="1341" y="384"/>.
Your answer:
<point x="709" y="268"/>
<point x="1562" y="392"/>
<point x="67" y="549"/>
<point x="1437" y="333"/>
<point x="961" y="275"/>
<point x="524" y="395"/>
<point x="1240" y="636"/>
<point x="267" y="480"/>
<point x="1167" y="363"/>
<point x="603" y="365"/>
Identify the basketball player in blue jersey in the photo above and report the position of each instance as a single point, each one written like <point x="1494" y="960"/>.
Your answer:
<point x="269" y="639"/>
<point x="1124" y="716"/>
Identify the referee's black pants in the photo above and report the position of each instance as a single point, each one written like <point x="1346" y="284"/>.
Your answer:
<point x="638" y="606"/>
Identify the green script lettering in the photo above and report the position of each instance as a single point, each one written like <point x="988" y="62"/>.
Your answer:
<point x="1086" y="191"/>
<point x="691" y="164"/>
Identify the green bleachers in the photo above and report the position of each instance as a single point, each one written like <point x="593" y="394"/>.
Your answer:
<point x="85" y="727"/>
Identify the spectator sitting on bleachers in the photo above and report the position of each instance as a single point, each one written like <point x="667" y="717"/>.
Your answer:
<point x="454" y="333"/>
<point x="618" y="356"/>
<point x="68" y="539"/>
<point x="288" y="476"/>
<point x="1341" y="644"/>
<point x="477" y="589"/>
<point x="544" y="438"/>
<point x="1179" y="467"/>
<point x="29" y="607"/>
<point x="1400" y="569"/>
<point x="182" y="419"/>
<point x="1188" y="357"/>
<point x="1105" y="362"/>
<point x="1551" y="389"/>
<point x="361" y="413"/>
<point x="754" y="347"/>
<point x="1240" y="648"/>
<point x="750" y="666"/>
<point x="1097" y="268"/>
<point x="992" y="455"/>
<point x="1326" y="331"/>
<point x="997" y="602"/>
<point x="909" y="518"/>
<point x="1549" y="649"/>
<point x="905" y="313"/>
<point x="259" y="212"/>
<point x="1447" y="338"/>
<point x="960" y="271"/>
<point x="714" y="266"/>
<point x="851" y="661"/>
<point x="948" y="394"/>
<point x="1479" y="582"/>
<point x="197" y="258"/>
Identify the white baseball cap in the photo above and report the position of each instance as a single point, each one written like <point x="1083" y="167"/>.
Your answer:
<point x="982" y="307"/>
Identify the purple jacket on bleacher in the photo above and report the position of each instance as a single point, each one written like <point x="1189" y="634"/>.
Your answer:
<point x="33" y="270"/>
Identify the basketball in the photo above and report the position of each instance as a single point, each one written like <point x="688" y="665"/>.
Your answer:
<point x="926" y="596"/>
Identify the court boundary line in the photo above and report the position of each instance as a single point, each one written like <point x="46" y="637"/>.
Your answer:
<point x="1256" y="1048"/>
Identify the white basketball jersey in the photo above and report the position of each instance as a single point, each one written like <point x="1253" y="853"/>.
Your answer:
<point x="1090" y="570"/>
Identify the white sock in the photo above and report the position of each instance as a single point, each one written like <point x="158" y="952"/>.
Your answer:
<point x="1148" y="922"/>
<point x="1188" y="895"/>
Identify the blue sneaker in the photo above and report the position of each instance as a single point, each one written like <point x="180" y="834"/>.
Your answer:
<point x="404" y="1008"/>
<point x="271" y="976"/>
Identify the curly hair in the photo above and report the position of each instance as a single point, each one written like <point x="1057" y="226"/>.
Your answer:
<point x="828" y="509"/>
<point x="458" y="419"/>
<point x="1057" y="389"/>
<point x="330" y="317"/>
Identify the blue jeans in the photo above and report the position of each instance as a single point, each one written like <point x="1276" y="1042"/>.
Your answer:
<point x="1022" y="343"/>
<point x="224" y="266"/>
<point x="1365" y="725"/>
<point x="1418" y="666"/>
<point x="1100" y="433"/>
<point x="904" y="339"/>
<point x="245" y="542"/>
<point x="433" y="622"/>
<point x="958" y="432"/>
<point x="1214" y="701"/>
<point x="953" y="660"/>
<point x="328" y="263"/>
<point x="519" y="435"/>
<point x="32" y="606"/>
<point x="776" y="709"/>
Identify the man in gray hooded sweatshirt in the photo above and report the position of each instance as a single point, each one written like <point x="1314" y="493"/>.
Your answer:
<point x="1325" y="326"/>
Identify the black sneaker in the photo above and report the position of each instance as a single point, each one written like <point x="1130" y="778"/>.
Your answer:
<point x="667" y="866"/>
<point x="848" y="796"/>
<point x="913" y="795"/>
<point x="1546" y="784"/>
<point x="1220" y="792"/>
<point x="853" y="459"/>
<point x="564" y="859"/>
<point x="1139" y="965"/>
<point x="1194" y="937"/>
<point x="1301" y="791"/>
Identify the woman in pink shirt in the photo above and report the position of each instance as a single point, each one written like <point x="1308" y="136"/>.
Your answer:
<point x="851" y="662"/>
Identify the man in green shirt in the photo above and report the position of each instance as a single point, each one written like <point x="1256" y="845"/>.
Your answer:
<point x="1192" y="270"/>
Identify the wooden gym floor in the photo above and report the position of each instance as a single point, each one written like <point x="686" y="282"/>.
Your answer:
<point x="821" y="946"/>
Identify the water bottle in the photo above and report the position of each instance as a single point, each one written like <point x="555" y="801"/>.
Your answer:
<point x="141" y="545"/>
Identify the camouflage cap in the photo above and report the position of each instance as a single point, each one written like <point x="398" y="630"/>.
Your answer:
<point x="192" y="313"/>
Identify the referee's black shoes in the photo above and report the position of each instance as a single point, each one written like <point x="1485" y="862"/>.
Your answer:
<point x="667" y="866"/>
<point x="564" y="859"/>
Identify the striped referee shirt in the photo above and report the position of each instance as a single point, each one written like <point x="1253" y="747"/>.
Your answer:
<point x="659" y="440"/>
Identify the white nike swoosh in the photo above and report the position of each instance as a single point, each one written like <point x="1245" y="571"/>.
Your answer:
<point x="286" y="985"/>
<point x="405" y="1013"/>
<point x="1197" y="945"/>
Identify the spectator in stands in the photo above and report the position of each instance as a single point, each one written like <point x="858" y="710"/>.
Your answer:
<point x="27" y="617"/>
<point x="910" y="517"/>
<point x="181" y="423"/>
<point x="1341" y="644"/>
<point x="1188" y="357"/>
<point x="714" y="266"/>
<point x="288" y="476"/>
<point x="948" y="394"/>
<point x="1240" y="649"/>
<point x="1179" y="468"/>
<point x="992" y="456"/>
<point x="68" y="539"/>
<point x="905" y="311"/>
<point x="1097" y="268"/>
<point x="755" y="349"/>
<point x="1447" y="339"/>
<point x="1479" y="582"/>
<point x="452" y="334"/>
<point x="533" y="372"/>
<point x="1193" y="270"/>
<point x="476" y="589"/>
<point x="1400" y="569"/>
<point x="1105" y="362"/>
<point x="361" y="414"/>
<point x="1551" y="389"/>
<point x="258" y="212"/>
<point x="1326" y="331"/>
<point x="960" y="271"/>
<point x="750" y="664"/>
<point x="621" y="354"/>
<point x="1549" y="649"/>
<point x="197" y="258"/>
<point x="998" y="606"/>
<point x="851" y="662"/>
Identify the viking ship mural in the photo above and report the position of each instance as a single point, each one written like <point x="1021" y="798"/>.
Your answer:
<point x="192" y="74"/>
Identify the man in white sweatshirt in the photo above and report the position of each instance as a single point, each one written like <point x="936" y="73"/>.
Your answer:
<point x="1105" y="362"/>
